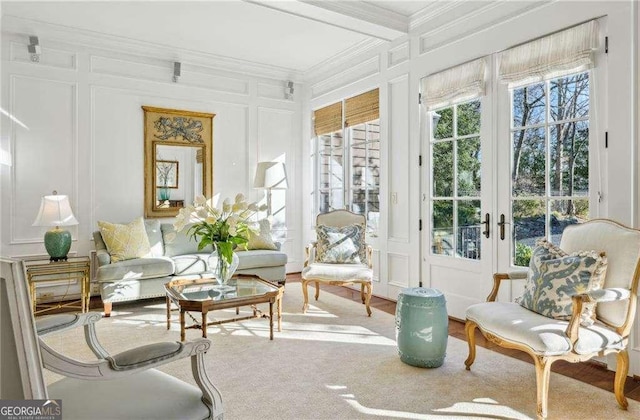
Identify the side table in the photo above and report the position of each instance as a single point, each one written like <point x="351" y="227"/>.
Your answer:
<point x="42" y="271"/>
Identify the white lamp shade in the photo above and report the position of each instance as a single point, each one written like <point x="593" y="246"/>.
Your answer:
<point x="271" y="175"/>
<point x="55" y="210"/>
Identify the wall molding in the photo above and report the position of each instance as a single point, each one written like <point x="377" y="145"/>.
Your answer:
<point x="317" y="72"/>
<point x="432" y="11"/>
<point x="74" y="154"/>
<point x="398" y="55"/>
<point x="403" y="262"/>
<point x="52" y="32"/>
<point x="19" y="54"/>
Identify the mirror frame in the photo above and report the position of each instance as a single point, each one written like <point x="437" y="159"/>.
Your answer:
<point x="150" y="142"/>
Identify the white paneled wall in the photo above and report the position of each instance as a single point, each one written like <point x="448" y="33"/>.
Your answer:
<point x="74" y="124"/>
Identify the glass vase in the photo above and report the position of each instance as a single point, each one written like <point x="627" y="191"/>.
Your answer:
<point x="220" y="268"/>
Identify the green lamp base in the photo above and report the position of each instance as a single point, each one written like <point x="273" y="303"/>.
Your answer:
<point x="58" y="243"/>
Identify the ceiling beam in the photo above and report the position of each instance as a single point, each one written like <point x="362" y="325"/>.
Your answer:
<point x="355" y="16"/>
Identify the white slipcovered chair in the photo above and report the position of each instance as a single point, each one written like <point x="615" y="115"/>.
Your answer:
<point x="546" y="339"/>
<point x="339" y="274"/>
<point x="124" y="385"/>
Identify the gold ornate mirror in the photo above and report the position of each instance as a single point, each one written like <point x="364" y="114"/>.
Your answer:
<point x="178" y="159"/>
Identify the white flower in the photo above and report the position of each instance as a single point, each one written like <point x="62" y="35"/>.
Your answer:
<point x="232" y="231"/>
<point x="211" y="219"/>
<point x="202" y="213"/>
<point x="233" y="220"/>
<point x="226" y="205"/>
<point x="239" y="198"/>
<point x="235" y="207"/>
<point x="253" y="207"/>
<point x="216" y="213"/>
<point x="263" y="207"/>
<point x="200" y="200"/>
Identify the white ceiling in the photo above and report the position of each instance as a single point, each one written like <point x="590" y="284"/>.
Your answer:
<point x="293" y="35"/>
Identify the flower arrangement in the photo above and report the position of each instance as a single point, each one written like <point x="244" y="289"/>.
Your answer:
<point x="224" y="228"/>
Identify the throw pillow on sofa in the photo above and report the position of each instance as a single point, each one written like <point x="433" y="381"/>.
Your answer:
<point x="125" y="242"/>
<point x="555" y="276"/>
<point x="341" y="245"/>
<point x="262" y="239"/>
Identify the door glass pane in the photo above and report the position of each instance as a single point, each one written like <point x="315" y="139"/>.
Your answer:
<point x="569" y="97"/>
<point x="469" y="118"/>
<point x="569" y="162"/>
<point x="323" y="202"/>
<point x="469" y="228"/>
<point x="565" y="213"/>
<point x="529" y="105"/>
<point x="443" y="169"/>
<point x="443" y="123"/>
<point x="442" y="231"/>
<point x="528" y="167"/>
<point x="469" y="167"/>
<point x="528" y="226"/>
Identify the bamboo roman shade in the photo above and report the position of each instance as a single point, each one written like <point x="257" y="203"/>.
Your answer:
<point x="555" y="55"/>
<point x="328" y="119"/>
<point x="456" y="84"/>
<point x="362" y="108"/>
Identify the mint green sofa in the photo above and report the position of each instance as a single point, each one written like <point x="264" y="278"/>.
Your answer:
<point x="171" y="257"/>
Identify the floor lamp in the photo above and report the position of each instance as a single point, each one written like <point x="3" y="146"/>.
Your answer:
<point x="270" y="176"/>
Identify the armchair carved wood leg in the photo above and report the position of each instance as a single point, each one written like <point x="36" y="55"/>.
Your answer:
<point x="543" y="373"/>
<point x="622" y="368"/>
<point x="367" y="297"/>
<point x="211" y="396"/>
<point x="305" y="295"/>
<point x="362" y="294"/>
<point x="470" y="330"/>
<point x="107" y="309"/>
<point x="317" y="290"/>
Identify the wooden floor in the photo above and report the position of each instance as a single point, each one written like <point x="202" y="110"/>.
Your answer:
<point x="593" y="373"/>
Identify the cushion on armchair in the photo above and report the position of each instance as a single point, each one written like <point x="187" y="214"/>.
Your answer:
<point x="555" y="276"/>
<point x="341" y="245"/>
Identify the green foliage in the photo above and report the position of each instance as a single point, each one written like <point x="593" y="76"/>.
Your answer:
<point x="523" y="254"/>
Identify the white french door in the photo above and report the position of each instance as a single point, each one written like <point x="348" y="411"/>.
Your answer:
<point x="458" y="255"/>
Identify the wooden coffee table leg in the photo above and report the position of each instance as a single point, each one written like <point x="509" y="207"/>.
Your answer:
<point x="182" y="335"/>
<point x="280" y="313"/>
<point x="271" y="320"/>
<point x="168" y="313"/>
<point x="204" y="324"/>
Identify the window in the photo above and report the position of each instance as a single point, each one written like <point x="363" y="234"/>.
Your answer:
<point x="550" y="160"/>
<point x="456" y="163"/>
<point x="347" y="157"/>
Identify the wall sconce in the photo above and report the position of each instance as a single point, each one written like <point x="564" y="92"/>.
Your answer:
<point x="176" y="71"/>
<point x="288" y="91"/>
<point x="34" y="49"/>
<point x="55" y="211"/>
<point x="270" y="176"/>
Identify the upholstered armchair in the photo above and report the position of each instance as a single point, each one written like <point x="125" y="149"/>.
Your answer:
<point x="339" y="256"/>
<point x="578" y="337"/>
<point x="123" y="385"/>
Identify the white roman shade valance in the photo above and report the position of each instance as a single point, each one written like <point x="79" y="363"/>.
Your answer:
<point x="456" y="84"/>
<point x="555" y="55"/>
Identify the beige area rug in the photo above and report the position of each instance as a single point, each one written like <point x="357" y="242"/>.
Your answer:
<point x="337" y="363"/>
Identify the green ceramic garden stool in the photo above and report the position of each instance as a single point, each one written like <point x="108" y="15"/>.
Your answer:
<point x="422" y="327"/>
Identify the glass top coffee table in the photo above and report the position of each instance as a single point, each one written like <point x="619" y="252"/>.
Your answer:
<point x="205" y="294"/>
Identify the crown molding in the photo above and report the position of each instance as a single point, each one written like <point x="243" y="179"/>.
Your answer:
<point x="91" y="39"/>
<point x="432" y="11"/>
<point x="321" y="69"/>
<point x="365" y="11"/>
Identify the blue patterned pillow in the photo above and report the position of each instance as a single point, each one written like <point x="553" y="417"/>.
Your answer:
<point x="343" y="245"/>
<point x="555" y="276"/>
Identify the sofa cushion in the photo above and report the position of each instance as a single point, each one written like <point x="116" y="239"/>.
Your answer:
<point x="139" y="268"/>
<point x="260" y="258"/>
<point x="152" y="226"/>
<point x="180" y="243"/>
<point x="125" y="242"/>
<point x="262" y="239"/>
<point x="190" y="264"/>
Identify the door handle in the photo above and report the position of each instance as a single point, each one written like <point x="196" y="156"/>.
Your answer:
<point x="501" y="224"/>
<point x="485" y="232"/>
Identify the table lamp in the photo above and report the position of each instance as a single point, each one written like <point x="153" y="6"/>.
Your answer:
<point x="271" y="176"/>
<point x="55" y="211"/>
